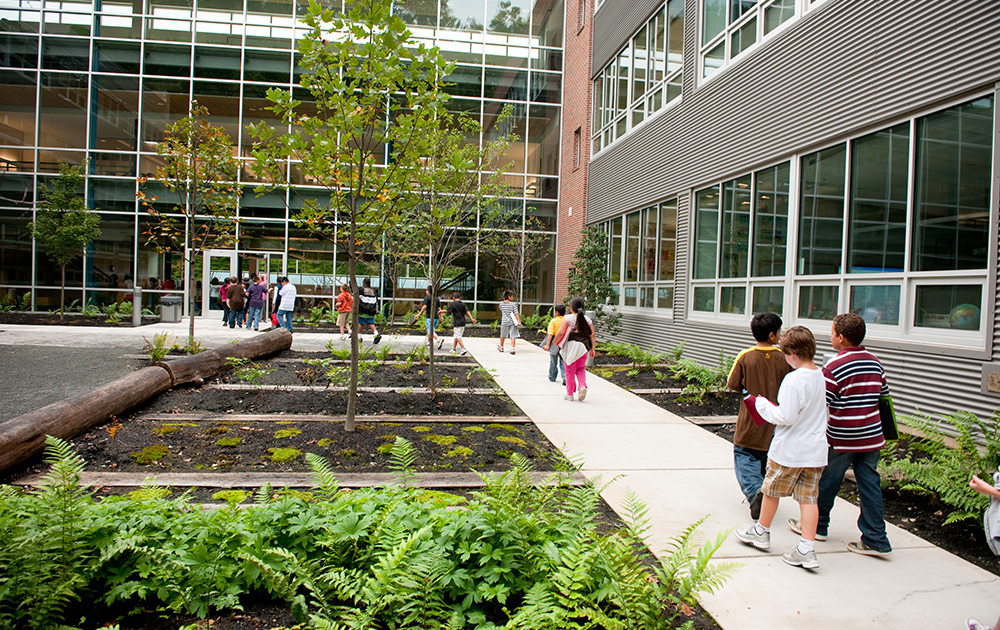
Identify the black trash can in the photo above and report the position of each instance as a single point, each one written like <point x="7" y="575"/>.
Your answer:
<point x="170" y="309"/>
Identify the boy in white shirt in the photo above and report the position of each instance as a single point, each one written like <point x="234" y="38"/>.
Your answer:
<point x="798" y="451"/>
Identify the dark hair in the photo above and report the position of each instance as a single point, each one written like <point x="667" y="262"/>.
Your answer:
<point x="367" y="282"/>
<point x="799" y="340"/>
<point x="851" y="326"/>
<point x="456" y="295"/>
<point x="560" y="309"/>
<point x="576" y="305"/>
<point x="345" y="288"/>
<point x="430" y="288"/>
<point x="763" y="324"/>
<point x="254" y="278"/>
<point x="508" y="294"/>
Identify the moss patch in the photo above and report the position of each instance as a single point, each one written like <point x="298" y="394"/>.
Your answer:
<point x="473" y="429"/>
<point x="284" y="454"/>
<point x="459" y="451"/>
<point x="324" y="442"/>
<point x="441" y="440"/>
<point x="150" y="454"/>
<point x="233" y="441"/>
<point x="509" y="428"/>
<point x="166" y="430"/>
<point x="231" y="496"/>
<point x="286" y="433"/>
<point x="512" y="440"/>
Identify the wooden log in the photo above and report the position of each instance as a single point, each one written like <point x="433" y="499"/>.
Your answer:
<point x="23" y="438"/>
<point x="194" y="369"/>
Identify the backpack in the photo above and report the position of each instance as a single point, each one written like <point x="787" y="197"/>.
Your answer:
<point x="368" y="305"/>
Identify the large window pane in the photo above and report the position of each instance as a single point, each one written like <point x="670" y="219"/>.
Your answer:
<point x="771" y="221"/>
<point x="818" y="302"/>
<point x="547" y="24"/>
<point x="713" y="19"/>
<point x="949" y="306"/>
<point x="704" y="299"/>
<point x="879" y="181"/>
<point x="954" y="165"/>
<point x="508" y="16"/>
<point x="15" y="248"/>
<point x="63" y="113"/>
<point x="632" y="247"/>
<point x="109" y="257"/>
<point x="543" y="140"/>
<point x="876" y="304"/>
<point x="668" y="240"/>
<point x="735" y="228"/>
<point x="768" y="300"/>
<point x="733" y="300"/>
<point x="706" y="232"/>
<point x="649" y="234"/>
<point x="18" y="127"/>
<point x="117" y="57"/>
<point x="116" y="124"/>
<point x="821" y="239"/>
<point x="777" y="14"/>
<point x="616" y="250"/>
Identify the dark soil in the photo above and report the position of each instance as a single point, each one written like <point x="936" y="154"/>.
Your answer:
<point x="331" y="403"/>
<point x="397" y="329"/>
<point x="920" y="514"/>
<point x="71" y="319"/>
<point x="226" y="446"/>
<point x="713" y="404"/>
<point x="392" y="375"/>
<point x="256" y="615"/>
<point x="439" y="355"/>
<point x="643" y="379"/>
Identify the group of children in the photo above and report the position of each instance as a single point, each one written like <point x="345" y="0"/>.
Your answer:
<point x="801" y="426"/>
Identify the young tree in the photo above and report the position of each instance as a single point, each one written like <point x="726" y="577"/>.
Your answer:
<point x="517" y="253"/>
<point x="371" y="91"/>
<point x="200" y="167"/>
<point x="458" y="184"/>
<point x="588" y="278"/>
<point x="63" y="226"/>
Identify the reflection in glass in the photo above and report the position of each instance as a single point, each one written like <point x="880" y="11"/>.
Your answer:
<point x="113" y="194"/>
<point x="768" y="300"/>
<point x="952" y="197"/>
<point x="508" y="16"/>
<point x="60" y="53"/>
<point x="713" y="19"/>
<point x="876" y="304"/>
<point x="714" y="59"/>
<point x="733" y="300"/>
<point x="818" y="302"/>
<point x="949" y="306"/>
<point x="668" y="240"/>
<point x="117" y="57"/>
<point x="770" y="238"/>
<point x="735" y="228"/>
<point x="543" y="140"/>
<point x="109" y="257"/>
<point x="879" y="182"/>
<point x="632" y="247"/>
<point x="15" y="246"/>
<point x="706" y="232"/>
<point x="117" y="121"/>
<point x="821" y="224"/>
<point x="665" y="297"/>
<point x="62" y="115"/>
<point x="779" y="12"/>
<point x="18" y="128"/>
<point x="547" y="22"/>
<point x="744" y="37"/>
<point x="704" y="299"/>
<point x="648" y="245"/>
<point x="616" y="250"/>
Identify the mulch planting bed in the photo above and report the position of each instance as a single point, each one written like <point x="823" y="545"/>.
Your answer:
<point x="391" y="375"/>
<point x="71" y="319"/>
<point x="642" y="379"/>
<point x="143" y="445"/>
<point x="713" y="404"/>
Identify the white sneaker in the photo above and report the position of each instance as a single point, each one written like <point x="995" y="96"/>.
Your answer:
<point x="465" y="352"/>
<point x="974" y="624"/>
<point x="440" y="343"/>
<point x="795" y="526"/>
<point x="568" y="397"/>
<point x="751" y="537"/>
<point x="796" y="558"/>
<point x="582" y="394"/>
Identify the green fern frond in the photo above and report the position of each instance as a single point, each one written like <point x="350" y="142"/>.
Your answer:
<point x="402" y="457"/>
<point x="327" y="486"/>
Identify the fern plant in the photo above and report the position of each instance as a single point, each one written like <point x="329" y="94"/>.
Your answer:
<point x="931" y="466"/>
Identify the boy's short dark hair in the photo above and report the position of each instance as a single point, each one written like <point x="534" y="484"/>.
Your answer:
<point x="456" y="295"/>
<point x="799" y="340"/>
<point x="851" y="326"/>
<point x="560" y="309"/>
<point x="763" y="324"/>
<point x="508" y="294"/>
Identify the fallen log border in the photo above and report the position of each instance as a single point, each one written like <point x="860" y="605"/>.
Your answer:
<point x="22" y="438"/>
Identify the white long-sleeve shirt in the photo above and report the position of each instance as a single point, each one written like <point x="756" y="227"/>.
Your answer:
<point x="800" y="420"/>
<point x="288" y="294"/>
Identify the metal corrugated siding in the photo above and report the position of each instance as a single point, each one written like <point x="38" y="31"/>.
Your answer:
<point x="843" y="68"/>
<point x="614" y="24"/>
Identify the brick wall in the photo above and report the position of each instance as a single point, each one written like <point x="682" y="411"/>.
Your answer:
<point x="575" y="152"/>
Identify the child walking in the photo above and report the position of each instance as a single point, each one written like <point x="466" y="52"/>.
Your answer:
<point x="345" y="304"/>
<point x="510" y="321"/>
<point x="577" y="341"/>
<point x="993" y="492"/>
<point x="798" y="451"/>
<point x="458" y="311"/>
<point x="758" y="370"/>
<point x="556" y="365"/>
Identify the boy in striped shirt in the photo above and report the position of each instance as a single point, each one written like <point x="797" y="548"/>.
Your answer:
<point x="854" y="381"/>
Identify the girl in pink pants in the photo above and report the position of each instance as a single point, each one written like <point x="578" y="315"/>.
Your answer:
<point x="577" y="334"/>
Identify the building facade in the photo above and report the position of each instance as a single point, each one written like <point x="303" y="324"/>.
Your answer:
<point x="807" y="157"/>
<point x="98" y="81"/>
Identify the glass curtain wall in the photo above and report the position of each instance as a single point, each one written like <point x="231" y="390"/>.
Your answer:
<point x="99" y="82"/>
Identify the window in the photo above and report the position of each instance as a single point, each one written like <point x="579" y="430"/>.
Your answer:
<point x="642" y="251"/>
<point x="731" y="27"/>
<point x="577" y="149"/>
<point x="928" y="179"/>
<point x="643" y="77"/>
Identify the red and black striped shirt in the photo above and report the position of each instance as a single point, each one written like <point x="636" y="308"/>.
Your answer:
<point x="854" y="381"/>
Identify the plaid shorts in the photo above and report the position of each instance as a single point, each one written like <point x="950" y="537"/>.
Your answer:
<point x="802" y="484"/>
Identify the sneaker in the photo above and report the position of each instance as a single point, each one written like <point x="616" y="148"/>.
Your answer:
<point x="582" y="395"/>
<point x="568" y="397"/>
<point x="500" y="348"/>
<point x="755" y="505"/>
<point x="974" y="624"/>
<point x="343" y="337"/>
<point x="796" y="558"/>
<point x="564" y="382"/>
<point x="513" y="351"/>
<point x="465" y="352"/>
<point x="377" y="338"/>
<point x="751" y="537"/>
<point x="793" y="524"/>
<point x="440" y="343"/>
<point x="865" y="550"/>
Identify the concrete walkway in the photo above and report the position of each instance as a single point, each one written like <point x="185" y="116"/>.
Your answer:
<point x="680" y="471"/>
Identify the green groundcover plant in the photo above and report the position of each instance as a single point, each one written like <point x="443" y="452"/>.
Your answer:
<point x="515" y="555"/>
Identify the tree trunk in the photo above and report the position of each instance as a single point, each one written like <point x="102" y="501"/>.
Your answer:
<point x="432" y="315"/>
<point x="190" y="264"/>
<point x="352" y="387"/>
<point x="62" y="291"/>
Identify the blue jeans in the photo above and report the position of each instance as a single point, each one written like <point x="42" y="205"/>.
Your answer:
<point x="234" y="317"/>
<point x="751" y="465"/>
<point x="285" y="319"/>
<point x="253" y="316"/>
<point x="556" y="367"/>
<point x="872" y="519"/>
